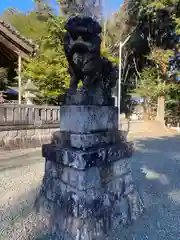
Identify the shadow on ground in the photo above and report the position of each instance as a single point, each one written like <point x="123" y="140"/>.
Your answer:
<point x="156" y="170"/>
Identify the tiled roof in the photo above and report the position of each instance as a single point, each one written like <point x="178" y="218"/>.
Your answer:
<point x="17" y="34"/>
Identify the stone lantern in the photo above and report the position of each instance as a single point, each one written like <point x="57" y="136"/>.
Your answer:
<point x="30" y="92"/>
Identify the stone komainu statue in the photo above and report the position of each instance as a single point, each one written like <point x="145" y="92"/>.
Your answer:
<point x="82" y="44"/>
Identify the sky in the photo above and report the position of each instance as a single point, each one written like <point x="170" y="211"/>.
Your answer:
<point x="110" y="6"/>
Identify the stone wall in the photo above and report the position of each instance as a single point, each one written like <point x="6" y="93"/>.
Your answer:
<point x="25" y="126"/>
<point x="25" y="138"/>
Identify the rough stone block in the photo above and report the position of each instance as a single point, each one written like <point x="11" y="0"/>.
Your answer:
<point x="91" y="214"/>
<point x="81" y="180"/>
<point x="52" y="169"/>
<point x="87" y="119"/>
<point x="115" y="187"/>
<point x="85" y="159"/>
<point x="65" y="192"/>
<point x="129" y="184"/>
<point x="84" y="141"/>
<point x="65" y="227"/>
<point x="114" y="170"/>
<point x="121" y="207"/>
<point x="62" y="139"/>
<point x="81" y="194"/>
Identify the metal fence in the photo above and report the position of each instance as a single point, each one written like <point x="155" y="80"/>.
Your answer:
<point x="16" y="115"/>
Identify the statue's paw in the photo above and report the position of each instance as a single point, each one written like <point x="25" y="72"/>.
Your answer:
<point x="83" y="88"/>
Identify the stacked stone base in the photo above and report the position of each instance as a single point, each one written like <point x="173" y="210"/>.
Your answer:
<point x="88" y="190"/>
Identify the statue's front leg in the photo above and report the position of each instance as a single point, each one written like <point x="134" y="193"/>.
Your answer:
<point x="73" y="81"/>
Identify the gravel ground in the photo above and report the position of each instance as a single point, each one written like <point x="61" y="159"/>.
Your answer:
<point x="156" y="168"/>
<point x="21" y="174"/>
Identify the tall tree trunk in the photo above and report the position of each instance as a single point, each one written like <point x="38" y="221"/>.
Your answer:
<point x="146" y="112"/>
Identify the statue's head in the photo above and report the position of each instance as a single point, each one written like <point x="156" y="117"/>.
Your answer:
<point x="82" y="42"/>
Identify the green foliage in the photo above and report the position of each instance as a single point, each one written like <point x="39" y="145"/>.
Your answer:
<point x="173" y="101"/>
<point x="26" y="23"/>
<point x="106" y="53"/>
<point x="154" y="26"/>
<point x="49" y="69"/>
<point x="150" y="86"/>
<point x="43" y="9"/>
<point x="162" y="3"/>
<point x="160" y="57"/>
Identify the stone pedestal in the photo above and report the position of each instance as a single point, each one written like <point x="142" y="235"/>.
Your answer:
<point x="87" y="190"/>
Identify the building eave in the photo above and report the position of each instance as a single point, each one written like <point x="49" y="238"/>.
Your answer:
<point x="14" y="41"/>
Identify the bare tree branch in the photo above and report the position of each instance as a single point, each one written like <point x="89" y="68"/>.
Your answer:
<point x="135" y="65"/>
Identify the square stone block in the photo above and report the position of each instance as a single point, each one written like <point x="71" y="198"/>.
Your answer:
<point x="90" y="140"/>
<point x="87" y="119"/>
<point x="87" y="140"/>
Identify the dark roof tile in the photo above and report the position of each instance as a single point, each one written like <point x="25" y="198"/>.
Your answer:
<point x="16" y="33"/>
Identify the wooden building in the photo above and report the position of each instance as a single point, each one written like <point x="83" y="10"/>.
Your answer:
<point x="14" y="48"/>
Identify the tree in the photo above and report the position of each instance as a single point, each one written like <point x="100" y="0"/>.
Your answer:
<point x="119" y="26"/>
<point x="151" y="86"/>
<point x="88" y="7"/>
<point x="43" y="9"/>
<point x="32" y="27"/>
<point x="154" y="27"/>
<point x="48" y="70"/>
